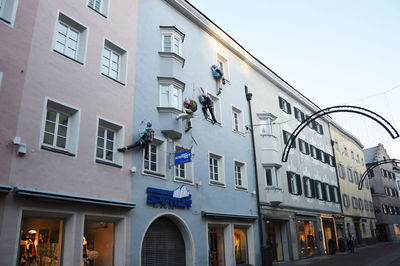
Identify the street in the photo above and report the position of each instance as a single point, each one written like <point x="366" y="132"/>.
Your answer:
<point x="381" y="254"/>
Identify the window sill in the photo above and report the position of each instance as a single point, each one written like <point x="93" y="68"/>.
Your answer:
<point x="108" y="163"/>
<point x="241" y="188"/>
<point x="73" y="59"/>
<point x="268" y="135"/>
<point x="216" y="183"/>
<point x="123" y="84"/>
<point x="97" y="12"/>
<point x="273" y="188"/>
<point x="167" y="109"/>
<point x="150" y="173"/>
<point x="4" y="20"/>
<point x="183" y="180"/>
<point x="177" y="57"/>
<point x="217" y="123"/>
<point x="47" y="148"/>
<point x="239" y="132"/>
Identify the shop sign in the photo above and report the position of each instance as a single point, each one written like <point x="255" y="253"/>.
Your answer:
<point x="179" y="197"/>
<point x="183" y="157"/>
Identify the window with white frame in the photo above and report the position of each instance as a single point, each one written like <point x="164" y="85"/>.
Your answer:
<point x="265" y="121"/>
<point x="350" y="174"/>
<point x="154" y="158"/>
<point x="342" y="172"/>
<point x="285" y="105"/>
<point x="294" y="183"/>
<point x="71" y="38"/>
<point x="216" y="169"/>
<point x="335" y="194"/>
<point x="109" y="138"/>
<point x="114" y="62"/>
<point x="171" y="40"/>
<point x="327" y="192"/>
<point x="308" y="187"/>
<point x="171" y="92"/>
<point x="237" y="120"/>
<point x="304" y="147"/>
<point x="271" y="177"/>
<point x="8" y="10"/>
<point x="60" y="128"/>
<point x="346" y="200"/>
<point x="223" y="65"/>
<point x="184" y="171"/>
<point x="355" y="203"/>
<point x="319" y="190"/>
<point x="240" y="174"/>
<point x="100" y="6"/>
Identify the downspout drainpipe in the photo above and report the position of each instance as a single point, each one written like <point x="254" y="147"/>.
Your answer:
<point x="260" y="227"/>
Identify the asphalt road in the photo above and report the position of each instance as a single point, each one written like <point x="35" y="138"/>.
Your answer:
<point x="381" y="254"/>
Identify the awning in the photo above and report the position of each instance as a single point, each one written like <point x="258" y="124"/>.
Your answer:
<point x="228" y="216"/>
<point x="5" y="188"/>
<point x="72" y="198"/>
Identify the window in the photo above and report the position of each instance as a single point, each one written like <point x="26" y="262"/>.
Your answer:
<point x="337" y="146"/>
<point x="313" y="152"/>
<point x="355" y="203"/>
<point x="352" y="155"/>
<point x="154" y="158"/>
<point x="335" y="194"/>
<point x="216" y="252"/>
<point x="304" y="148"/>
<point x="371" y="206"/>
<point x="346" y="200"/>
<point x="371" y="173"/>
<point x="96" y="233"/>
<point x="172" y="40"/>
<point x="327" y="192"/>
<point x="319" y="190"/>
<point x="237" y="120"/>
<point x="331" y="161"/>
<point x="319" y="128"/>
<point x="350" y="174"/>
<point x="60" y="128"/>
<point x="216" y="108"/>
<point x="8" y="10"/>
<point x="266" y="126"/>
<point x="171" y="92"/>
<point x="308" y="187"/>
<point x="271" y="177"/>
<point x="342" y="173"/>
<point x="109" y="138"/>
<point x="300" y="116"/>
<point x="100" y="6"/>
<point x="346" y="152"/>
<point x="184" y="171"/>
<point x="358" y="158"/>
<point x="319" y="155"/>
<point x="324" y="157"/>
<point x="360" y="204"/>
<point x="284" y="105"/>
<point x="366" y="205"/>
<point x="223" y="65"/>
<point x="71" y="38"/>
<point x="286" y="137"/>
<point x="114" y="62"/>
<point x="384" y="208"/>
<point x="294" y="183"/>
<point x="357" y="179"/>
<point x="240" y="241"/>
<point x="216" y="169"/>
<point x="240" y="174"/>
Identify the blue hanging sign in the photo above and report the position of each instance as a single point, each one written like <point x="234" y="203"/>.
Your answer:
<point x="179" y="197"/>
<point x="183" y="157"/>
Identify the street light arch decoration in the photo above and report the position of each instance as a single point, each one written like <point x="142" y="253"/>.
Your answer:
<point x="336" y="109"/>
<point x="372" y="166"/>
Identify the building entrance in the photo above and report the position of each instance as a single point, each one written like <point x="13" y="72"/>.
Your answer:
<point x="274" y="239"/>
<point x="163" y="244"/>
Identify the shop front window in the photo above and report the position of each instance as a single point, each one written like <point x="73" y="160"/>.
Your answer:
<point x="240" y="239"/>
<point x="98" y="243"/>
<point x="216" y="254"/>
<point x="41" y="241"/>
<point x="308" y="241"/>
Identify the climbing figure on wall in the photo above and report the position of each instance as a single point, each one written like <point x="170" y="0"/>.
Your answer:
<point x="189" y="107"/>
<point x="207" y="103"/>
<point x="219" y="76"/>
<point x="145" y="138"/>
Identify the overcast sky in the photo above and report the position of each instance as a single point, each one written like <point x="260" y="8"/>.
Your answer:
<point x="333" y="51"/>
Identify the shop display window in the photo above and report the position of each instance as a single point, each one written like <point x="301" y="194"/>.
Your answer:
<point x="308" y="240"/>
<point x="40" y="241"/>
<point x="240" y="240"/>
<point x="98" y="243"/>
<point x="216" y="252"/>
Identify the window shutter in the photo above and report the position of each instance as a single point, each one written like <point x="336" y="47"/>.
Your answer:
<point x="289" y="108"/>
<point x="323" y="191"/>
<point x="312" y="185"/>
<point x="307" y="148"/>
<point x="305" y="185"/>
<point x="298" y="183"/>
<point x="293" y="143"/>
<point x="288" y="181"/>
<point x="321" y="129"/>
<point x="332" y="192"/>
<point x="280" y="102"/>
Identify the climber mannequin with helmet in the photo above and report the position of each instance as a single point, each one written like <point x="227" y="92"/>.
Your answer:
<point x="145" y="138"/>
<point x="189" y="107"/>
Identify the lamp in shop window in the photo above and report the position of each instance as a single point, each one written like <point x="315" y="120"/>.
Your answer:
<point x="32" y="232"/>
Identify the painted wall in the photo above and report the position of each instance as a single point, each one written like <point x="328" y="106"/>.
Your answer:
<point x="200" y="52"/>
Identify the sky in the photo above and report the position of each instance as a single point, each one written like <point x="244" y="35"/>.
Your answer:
<point x="333" y="51"/>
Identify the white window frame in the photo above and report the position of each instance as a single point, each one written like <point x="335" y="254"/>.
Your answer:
<point x="337" y="146"/>
<point x="328" y="192"/>
<point x="221" y="169"/>
<point x="336" y="194"/>
<point x="274" y="177"/>
<point x="122" y="61"/>
<point x="319" y="192"/>
<point x="104" y="6"/>
<point x="175" y="34"/>
<point x="266" y="121"/>
<point x="222" y="61"/>
<point x="216" y="107"/>
<point x="350" y="175"/>
<point x="72" y="24"/>
<point x="342" y="172"/>
<point x="187" y="167"/>
<point x="243" y="174"/>
<point x="161" y="158"/>
<point x="239" y="128"/>
<point x="172" y="84"/>
<point x="346" y="200"/>
<point x="72" y="131"/>
<point x="8" y="11"/>
<point x="354" y="201"/>
<point x="307" y="187"/>
<point x="286" y="106"/>
<point x="346" y="152"/>
<point x="118" y="130"/>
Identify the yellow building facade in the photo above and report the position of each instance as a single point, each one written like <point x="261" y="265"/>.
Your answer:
<point x="359" y="218"/>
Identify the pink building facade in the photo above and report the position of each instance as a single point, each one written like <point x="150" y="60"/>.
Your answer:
<point x="66" y="89"/>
